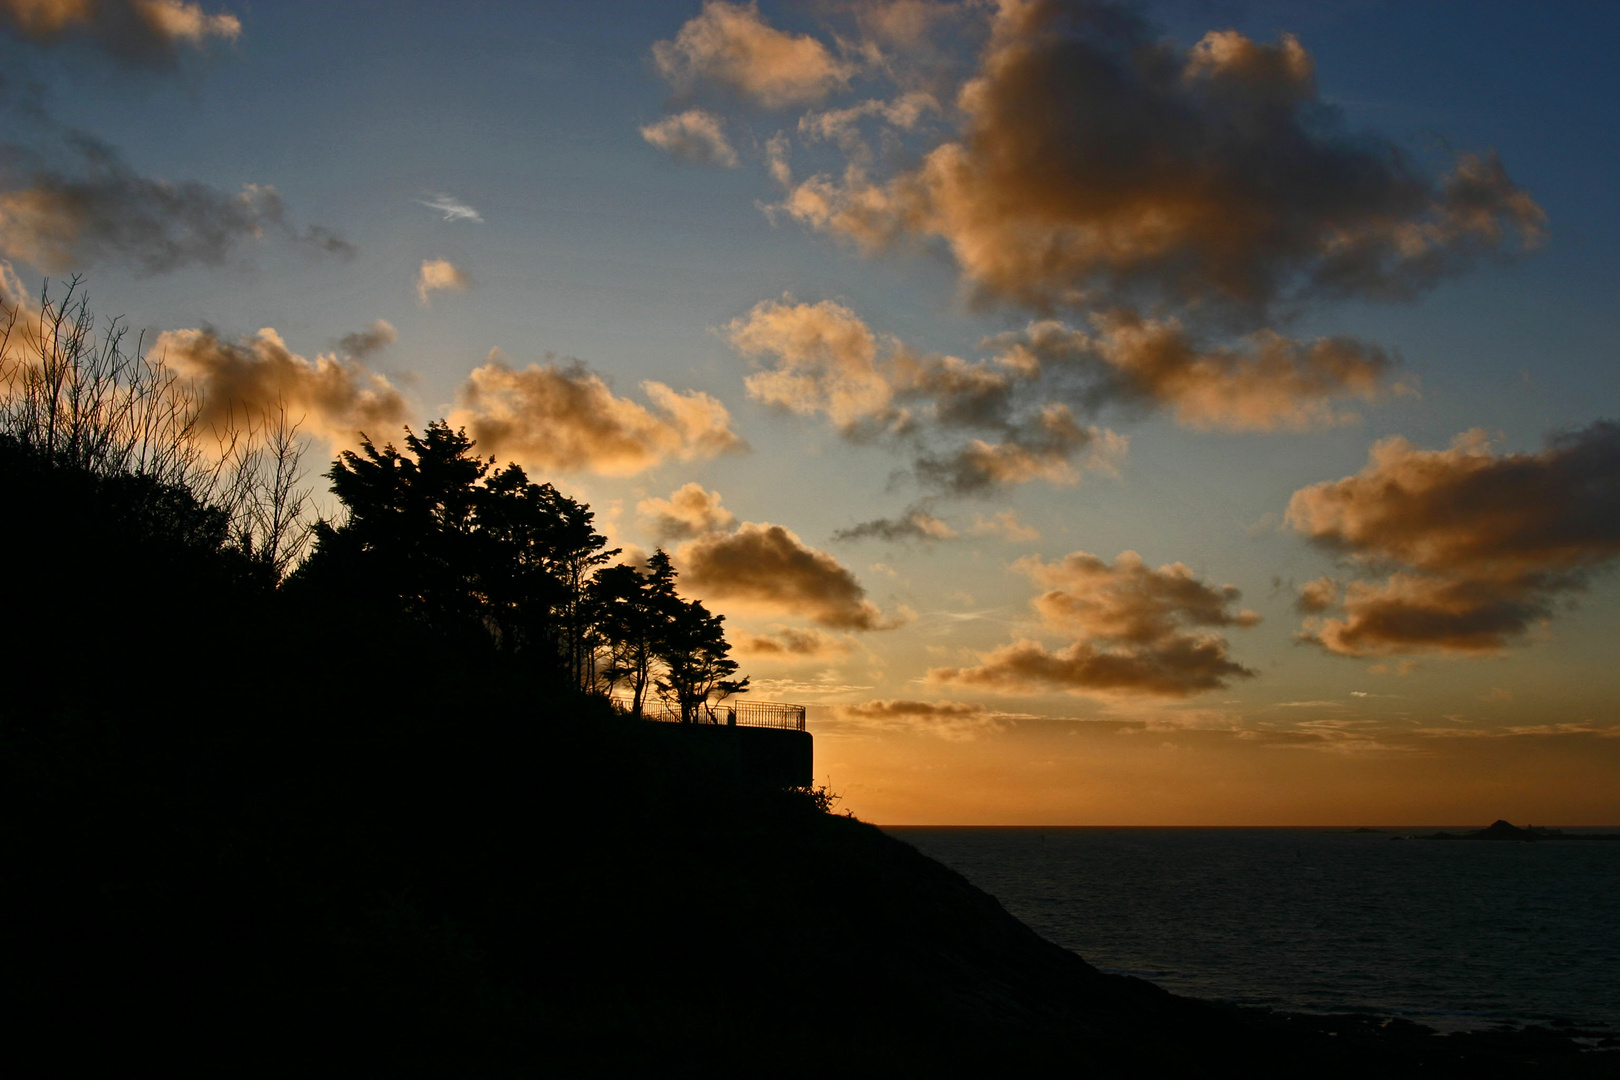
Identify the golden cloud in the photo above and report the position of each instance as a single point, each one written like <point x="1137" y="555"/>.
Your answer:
<point x="148" y="32"/>
<point x="1046" y="449"/>
<point x="957" y="721"/>
<point x="823" y="359"/>
<point x="790" y="645"/>
<point x="1135" y="631"/>
<point x="1271" y="383"/>
<point x="440" y="275"/>
<point x="689" y="511"/>
<point x="767" y="567"/>
<point x="904" y="23"/>
<point x="953" y="392"/>
<point x="1317" y="596"/>
<point x="826" y="361"/>
<point x="566" y="418"/>
<point x="333" y="398"/>
<point x="1487" y="540"/>
<point x="1005" y="523"/>
<point x="1099" y="163"/>
<point x="1128" y="601"/>
<point x="732" y="47"/>
<point x="843" y="125"/>
<point x="694" y="135"/>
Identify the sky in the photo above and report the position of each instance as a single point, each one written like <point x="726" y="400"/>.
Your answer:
<point x="1190" y="413"/>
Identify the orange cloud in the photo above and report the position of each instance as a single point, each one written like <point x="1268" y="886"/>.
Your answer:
<point x="953" y="392"/>
<point x="148" y="32"/>
<point x="767" y="567"/>
<point x="790" y="645"/>
<point x="566" y="418"/>
<point x="730" y="46"/>
<point x="903" y="23"/>
<point x="1317" y="596"/>
<point x="1046" y="449"/>
<point x="826" y="361"/>
<point x="1135" y="631"/>
<point x="1128" y="601"/>
<point x="694" y="135"/>
<point x="823" y="359"/>
<point x="334" y="398"/>
<point x="1005" y="523"/>
<point x="689" y="511"/>
<point x="957" y="721"/>
<point x="843" y="125"/>
<point x="1271" y="383"/>
<point x="1099" y="163"/>
<point x="1487" y="541"/>
<point x="440" y="275"/>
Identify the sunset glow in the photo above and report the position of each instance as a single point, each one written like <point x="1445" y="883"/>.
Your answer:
<point x="1167" y="414"/>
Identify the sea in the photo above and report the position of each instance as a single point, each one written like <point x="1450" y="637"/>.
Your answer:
<point x="1456" y="935"/>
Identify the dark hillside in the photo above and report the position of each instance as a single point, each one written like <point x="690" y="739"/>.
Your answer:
<point x="250" y="830"/>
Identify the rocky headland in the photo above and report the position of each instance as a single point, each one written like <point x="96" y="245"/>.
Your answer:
<point x="1501" y="831"/>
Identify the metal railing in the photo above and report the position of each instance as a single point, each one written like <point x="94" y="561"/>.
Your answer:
<point x="737" y="712"/>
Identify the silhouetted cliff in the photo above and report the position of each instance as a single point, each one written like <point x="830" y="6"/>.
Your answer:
<point x="252" y="830"/>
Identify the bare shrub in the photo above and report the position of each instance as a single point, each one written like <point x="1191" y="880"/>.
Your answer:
<point x="83" y="400"/>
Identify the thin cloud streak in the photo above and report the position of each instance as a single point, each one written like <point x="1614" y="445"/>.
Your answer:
<point x="452" y="208"/>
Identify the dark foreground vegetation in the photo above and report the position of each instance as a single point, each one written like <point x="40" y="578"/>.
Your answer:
<point x="253" y="824"/>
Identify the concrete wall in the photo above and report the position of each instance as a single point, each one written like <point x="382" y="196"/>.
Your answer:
<point x="771" y="755"/>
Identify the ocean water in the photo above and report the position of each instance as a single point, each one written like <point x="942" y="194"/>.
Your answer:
<point x="1454" y="935"/>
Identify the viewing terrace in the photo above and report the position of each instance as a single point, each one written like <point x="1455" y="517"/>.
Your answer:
<point x="740" y="712"/>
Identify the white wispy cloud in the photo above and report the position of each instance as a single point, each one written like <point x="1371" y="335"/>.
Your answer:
<point x="452" y="208"/>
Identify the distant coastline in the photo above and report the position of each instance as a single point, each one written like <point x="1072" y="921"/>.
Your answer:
<point x="1502" y="831"/>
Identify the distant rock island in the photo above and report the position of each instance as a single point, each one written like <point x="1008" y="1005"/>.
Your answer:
<point x="1507" y="832"/>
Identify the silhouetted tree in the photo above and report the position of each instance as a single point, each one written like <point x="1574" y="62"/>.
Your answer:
<point x="633" y="613"/>
<point x="529" y="541"/>
<point x="576" y="551"/>
<point x="434" y="531"/>
<point x="408" y="535"/>
<point x="695" y="652"/>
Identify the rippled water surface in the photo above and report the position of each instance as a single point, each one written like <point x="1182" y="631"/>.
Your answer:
<point x="1452" y="934"/>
